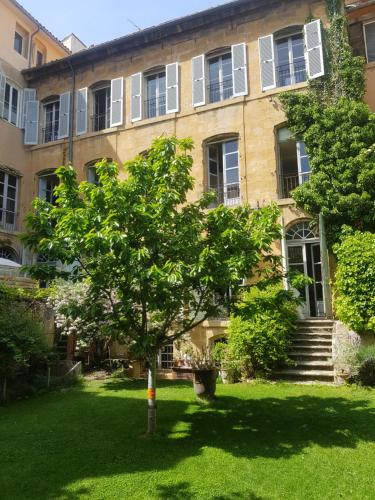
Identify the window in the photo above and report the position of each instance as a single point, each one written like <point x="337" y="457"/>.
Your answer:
<point x="51" y="121"/>
<point x="8" y="253"/>
<point x="224" y="171"/>
<point x="8" y="200"/>
<point x="11" y="99"/>
<point x="220" y="77"/>
<point x="369" y="30"/>
<point x="290" y="60"/>
<point x="92" y="175"/>
<point x="165" y="360"/>
<point x="294" y="166"/>
<point x="39" y="58"/>
<point x="102" y="108"/>
<point x="155" y="103"/>
<point x="18" y="43"/>
<point x="47" y="184"/>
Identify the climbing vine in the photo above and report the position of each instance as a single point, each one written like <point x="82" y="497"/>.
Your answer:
<point x="338" y="129"/>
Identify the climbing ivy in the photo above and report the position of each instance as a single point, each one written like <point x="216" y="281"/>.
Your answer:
<point x="338" y="129"/>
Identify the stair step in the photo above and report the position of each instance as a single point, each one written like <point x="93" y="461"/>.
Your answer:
<point x="298" y="374"/>
<point x="313" y="331"/>
<point x="315" y="322"/>
<point x="307" y="348"/>
<point x="306" y="356"/>
<point x="318" y="365"/>
<point x="313" y="342"/>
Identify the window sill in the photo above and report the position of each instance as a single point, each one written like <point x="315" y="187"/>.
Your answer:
<point x="281" y="202"/>
<point x="220" y="104"/>
<point x="105" y="131"/>
<point x="46" y="145"/>
<point x="287" y="88"/>
<point x="215" y="323"/>
<point x="154" y="119"/>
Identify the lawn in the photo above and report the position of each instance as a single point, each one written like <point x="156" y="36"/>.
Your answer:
<point x="258" y="441"/>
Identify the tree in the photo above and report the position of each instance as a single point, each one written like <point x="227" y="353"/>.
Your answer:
<point x="158" y="260"/>
<point x="339" y="132"/>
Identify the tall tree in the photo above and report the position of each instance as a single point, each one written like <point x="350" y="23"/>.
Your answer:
<point x="160" y="262"/>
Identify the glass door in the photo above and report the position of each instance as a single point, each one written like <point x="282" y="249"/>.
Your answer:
<point x="318" y="280"/>
<point x="297" y="263"/>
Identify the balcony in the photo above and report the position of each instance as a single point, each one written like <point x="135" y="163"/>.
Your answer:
<point x="100" y="121"/>
<point x="228" y="195"/>
<point x="50" y="132"/>
<point x="8" y="221"/>
<point x="289" y="182"/>
<point x="290" y="74"/>
<point x="155" y="106"/>
<point x="220" y="91"/>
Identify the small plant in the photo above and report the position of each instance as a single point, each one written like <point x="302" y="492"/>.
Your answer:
<point x="366" y="365"/>
<point x="230" y="367"/>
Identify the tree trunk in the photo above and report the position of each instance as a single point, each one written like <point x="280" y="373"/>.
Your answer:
<point x="151" y="397"/>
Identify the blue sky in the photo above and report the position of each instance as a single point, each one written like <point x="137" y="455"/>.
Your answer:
<point x="96" y="21"/>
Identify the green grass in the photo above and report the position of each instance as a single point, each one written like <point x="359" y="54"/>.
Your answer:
<point x="258" y="441"/>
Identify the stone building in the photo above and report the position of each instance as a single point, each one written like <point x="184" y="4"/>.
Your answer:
<point x="214" y="76"/>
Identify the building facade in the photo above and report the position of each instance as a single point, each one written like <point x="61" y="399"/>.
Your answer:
<point x="213" y="76"/>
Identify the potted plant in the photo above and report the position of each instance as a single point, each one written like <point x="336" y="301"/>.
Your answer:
<point x="204" y="373"/>
<point x="228" y="367"/>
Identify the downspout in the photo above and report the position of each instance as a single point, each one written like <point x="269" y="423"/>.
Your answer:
<point x="30" y="50"/>
<point x="71" y="115"/>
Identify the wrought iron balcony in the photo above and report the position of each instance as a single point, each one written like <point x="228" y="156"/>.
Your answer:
<point x="290" y="74"/>
<point x="50" y="132"/>
<point x="8" y="221"/>
<point x="155" y="106"/>
<point x="228" y="195"/>
<point x="100" y="121"/>
<point x="219" y="91"/>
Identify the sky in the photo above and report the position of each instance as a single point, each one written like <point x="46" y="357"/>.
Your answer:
<point x="97" y="21"/>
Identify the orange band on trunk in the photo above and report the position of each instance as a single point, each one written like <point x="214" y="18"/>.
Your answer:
<point x="150" y="393"/>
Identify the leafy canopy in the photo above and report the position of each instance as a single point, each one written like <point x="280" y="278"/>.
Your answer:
<point x="154" y="261"/>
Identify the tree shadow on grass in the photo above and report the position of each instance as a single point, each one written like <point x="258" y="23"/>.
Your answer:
<point x="183" y="491"/>
<point x="52" y="443"/>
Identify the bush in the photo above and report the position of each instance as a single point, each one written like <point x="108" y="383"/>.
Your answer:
<point x="366" y="366"/>
<point x="355" y="278"/>
<point x="259" y="333"/>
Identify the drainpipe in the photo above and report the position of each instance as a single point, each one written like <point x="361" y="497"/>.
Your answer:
<point x="71" y="115"/>
<point x="327" y="297"/>
<point x="30" y="50"/>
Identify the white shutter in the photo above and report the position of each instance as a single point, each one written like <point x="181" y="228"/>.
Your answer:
<point x="199" y="81"/>
<point x="314" y="49"/>
<point x="172" y="87"/>
<point x="64" y="116"/>
<point x="267" y="62"/>
<point x="28" y="95"/>
<point x="81" y="111"/>
<point x="117" y="98"/>
<point x="239" y="69"/>
<point x="2" y="92"/>
<point x="136" y="102"/>
<point x="31" y="123"/>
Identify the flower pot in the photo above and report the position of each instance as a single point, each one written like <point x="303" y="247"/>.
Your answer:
<point x="204" y="382"/>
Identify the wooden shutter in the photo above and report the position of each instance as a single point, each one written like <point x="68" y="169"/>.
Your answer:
<point x="117" y="99"/>
<point x="314" y="49"/>
<point x="64" y="116"/>
<point x="81" y="111"/>
<point x="199" y="80"/>
<point x="172" y="88"/>
<point x="267" y="62"/>
<point x="136" y="111"/>
<point x="239" y="69"/>
<point x="31" y="123"/>
<point x="28" y="95"/>
<point x="2" y="92"/>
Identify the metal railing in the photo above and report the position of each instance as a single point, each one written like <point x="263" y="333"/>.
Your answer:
<point x="226" y="195"/>
<point x="100" y="121"/>
<point x="219" y="91"/>
<point x="290" y="74"/>
<point x="50" y="132"/>
<point x="5" y="217"/>
<point x="290" y="182"/>
<point x="155" y="106"/>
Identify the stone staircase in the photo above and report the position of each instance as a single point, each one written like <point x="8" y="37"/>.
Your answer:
<point x="311" y="353"/>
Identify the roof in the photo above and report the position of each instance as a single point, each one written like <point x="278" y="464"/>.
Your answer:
<point x="154" y="34"/>
<point x="40" y="26"/>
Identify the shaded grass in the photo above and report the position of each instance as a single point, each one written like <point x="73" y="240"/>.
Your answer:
<point x="258" y="441"/>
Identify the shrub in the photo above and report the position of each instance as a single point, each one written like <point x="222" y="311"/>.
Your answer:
<point x="259" y="333"/>
<point x="355" y="278"/>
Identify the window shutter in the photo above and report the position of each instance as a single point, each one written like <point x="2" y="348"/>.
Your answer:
<point x="28" y="95"/>
<point x="239" y="69"/>
<point x="81" y="111"/>
<point x="31" y="123"/>
<point x="267" y="62"/>
<point x="172" y="84"/>
<point x="314" y="49"/>
<point x="199" y="90"/>
<point x="136" y="111"/>
<point x="117" y="99"/>
<point x="64" y="116"/>
<point x="2" y="92"/>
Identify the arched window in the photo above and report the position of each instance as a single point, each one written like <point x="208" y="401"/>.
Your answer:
<point x="303" y="230"/>
<point x="92" y="175"/>
<point x="8" y="253"/>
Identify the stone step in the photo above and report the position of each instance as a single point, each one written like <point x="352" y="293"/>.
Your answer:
<point x="312" y="341"/>
<point x="313" y="331"/>
<point x="315" y="322"/>
<point x="310" y="375"/>
<point x="306" y="349"/>
<point x="318" y="365"/>
<point x="323" y="335"/>
<point x="310" y="356"/>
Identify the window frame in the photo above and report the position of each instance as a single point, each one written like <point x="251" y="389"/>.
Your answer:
<point x="94" y="89"/>
<point x="3" y="208"/>
<point x="55" y="129"/>
<point x="279" y="37"/>
<point x="41" y="177"/>
<point x="12" y="88"/>
<point x="365" y="39"/>
<point x="39" y="53"/>
<point x="146" y="76"/>
<point x="22" y="40"/>
<point x="209" y="57"/>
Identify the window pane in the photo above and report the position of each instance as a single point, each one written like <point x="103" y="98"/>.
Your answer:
<point x="231" y="160"/>
<point x="305" y="166"/>
<point x="282" y="51"/>
<point x="227" y="65"/>
<point x="297" y="47"/>
<point x="6" y="102"/>
<point x="230" y="147"/>
<point x="295" y="255"/>
<point x="18" y="42"/>
<point x="232" y="175"/>
<point x="13" y="118"/>
<point x="370" y="41"/>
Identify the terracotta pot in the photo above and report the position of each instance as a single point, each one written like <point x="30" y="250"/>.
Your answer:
<point x="204" y="382"/>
